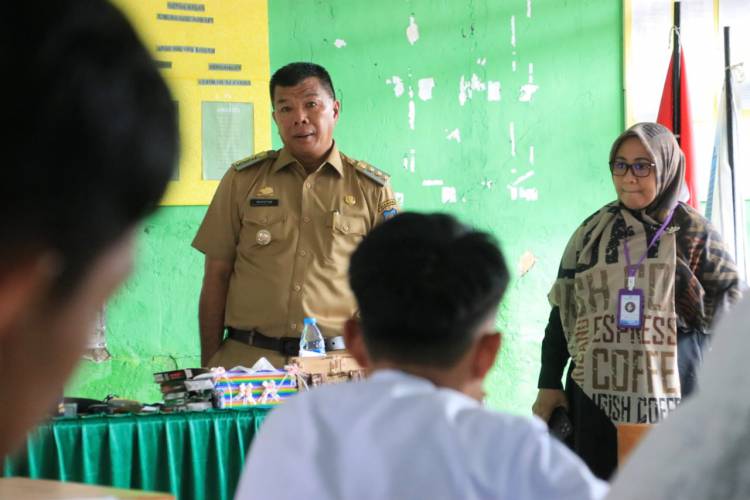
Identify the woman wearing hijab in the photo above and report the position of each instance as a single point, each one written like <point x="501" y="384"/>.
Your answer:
<point x="638" y="288"/>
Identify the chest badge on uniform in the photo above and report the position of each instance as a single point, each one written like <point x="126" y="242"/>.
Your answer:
<point x="350" y="200"/>
<point x="265" y="191"/>
<point x="263" y="237"/>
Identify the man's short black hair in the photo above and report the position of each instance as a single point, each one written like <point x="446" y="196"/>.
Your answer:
<point x="293" y="73"/>
<point x="91" y="138"/>
<point x="424" y="283"/>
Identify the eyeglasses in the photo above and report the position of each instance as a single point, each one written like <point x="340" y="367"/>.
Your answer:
<point x="640" y="168"/>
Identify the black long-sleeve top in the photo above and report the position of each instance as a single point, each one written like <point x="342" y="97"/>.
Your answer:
<point x="554" y="353"/>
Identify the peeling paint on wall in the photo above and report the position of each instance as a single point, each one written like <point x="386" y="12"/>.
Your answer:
<point x="409" y="160"/>
<point x="513" y="41"/>
<point x="412" y="109"/>
<point x="448" y="194"/>
<point x="398" y="85"/>
<point x="339" y="43"/>
<point x="529" y="194"/>
<point x="512" y="134"/>
<point x="432" y="182"/>
<point x="463" y="91"/>
<point x="521" y="193"/>
<point x="425" y="88"/>
<point x="493" y="91"/>
<point x="455" y="135"/>
<point x="526" y="262"/>
<point x="399" y="199"/>
<point x="412" y="31"/>
<point x="466" y="88"/>
<point x="527" y="91"/>
<point x="525" y="176"/>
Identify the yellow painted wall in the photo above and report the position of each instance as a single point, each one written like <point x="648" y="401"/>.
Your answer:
<point x="238" y="32"/>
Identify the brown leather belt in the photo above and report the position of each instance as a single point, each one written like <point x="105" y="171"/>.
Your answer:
<point x="288" y="346"/>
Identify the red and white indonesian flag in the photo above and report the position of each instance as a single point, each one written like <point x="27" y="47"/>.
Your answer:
<point x="725" y="208"/>
<point x="666" y="110"/>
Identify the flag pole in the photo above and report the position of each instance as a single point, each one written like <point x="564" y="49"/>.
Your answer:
<point x="730" y="128"/>
<point x="676" y="73"/>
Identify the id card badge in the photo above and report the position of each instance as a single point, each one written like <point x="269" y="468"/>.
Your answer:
<point x="630" y="308"/>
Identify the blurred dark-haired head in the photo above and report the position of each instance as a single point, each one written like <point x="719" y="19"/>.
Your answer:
<point x="90" y="145"/>
<point x="424" y="282"/>
<point x="93" y="137"/>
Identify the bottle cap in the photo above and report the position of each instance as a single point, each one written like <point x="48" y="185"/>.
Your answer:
<point x="309" y="321"/>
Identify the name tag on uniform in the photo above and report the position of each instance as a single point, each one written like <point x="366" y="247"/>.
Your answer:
<point x="630" y="308"/>
<point x="264" y="202"/>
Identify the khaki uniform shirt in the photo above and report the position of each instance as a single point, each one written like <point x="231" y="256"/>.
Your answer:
<point x="290" y="236"/>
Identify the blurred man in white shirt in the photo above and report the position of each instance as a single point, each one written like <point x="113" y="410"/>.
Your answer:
<point x="428" y="289"/>
<point x="703" y="450"/>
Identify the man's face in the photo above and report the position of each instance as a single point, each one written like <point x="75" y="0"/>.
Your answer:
<point x="306" y="115"/>
<point x="42" y="342"/>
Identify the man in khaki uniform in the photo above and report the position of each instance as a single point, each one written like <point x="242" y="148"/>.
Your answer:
<point x="279" y="232"/>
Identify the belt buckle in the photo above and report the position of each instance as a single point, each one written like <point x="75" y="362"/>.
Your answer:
<point x="289" y="347"/>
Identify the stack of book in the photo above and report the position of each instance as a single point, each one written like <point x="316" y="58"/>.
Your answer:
<point x="188" y="389"/>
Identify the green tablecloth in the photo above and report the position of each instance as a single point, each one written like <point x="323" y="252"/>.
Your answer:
<point x="192" y="455"/>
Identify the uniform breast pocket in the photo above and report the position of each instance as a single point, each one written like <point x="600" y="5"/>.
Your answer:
<point x="345" y="233"/>
<point x="263" y="233"/>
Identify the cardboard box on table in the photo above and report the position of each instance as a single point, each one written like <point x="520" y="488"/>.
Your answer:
<point x="329" y="369"/>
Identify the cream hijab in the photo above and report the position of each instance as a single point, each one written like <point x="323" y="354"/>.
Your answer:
<point x="670" y="166"/>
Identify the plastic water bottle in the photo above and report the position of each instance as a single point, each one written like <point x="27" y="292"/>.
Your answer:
<point x="311" y="342"/>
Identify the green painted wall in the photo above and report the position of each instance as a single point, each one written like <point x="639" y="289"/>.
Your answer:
<point x="152" y="322"/>
<point x="575" y="49"/>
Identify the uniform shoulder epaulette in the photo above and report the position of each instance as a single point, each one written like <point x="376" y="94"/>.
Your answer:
<point x="369" y="171"/>
<point x="254" y="160"/>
